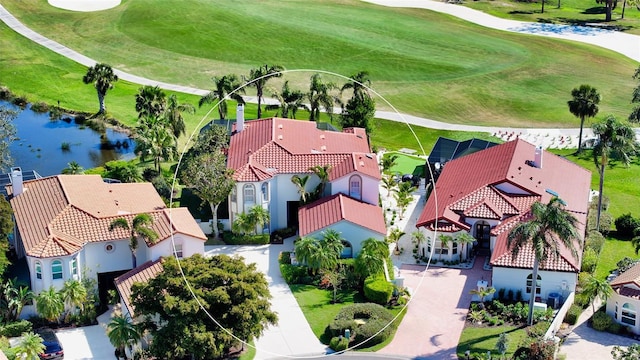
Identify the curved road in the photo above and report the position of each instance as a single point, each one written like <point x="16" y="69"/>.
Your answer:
<point x="626" y="44"/>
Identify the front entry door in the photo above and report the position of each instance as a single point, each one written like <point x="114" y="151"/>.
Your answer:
<point x="483" y="235"/>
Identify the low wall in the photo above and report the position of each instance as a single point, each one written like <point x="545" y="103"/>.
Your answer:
<point x="206" y="225"/>
<point x="557" y="321"/>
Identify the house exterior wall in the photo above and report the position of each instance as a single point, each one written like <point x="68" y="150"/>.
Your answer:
<point x="614" y="308"/>
<point x="352" y="233"/>
<point x="37" y="285"/>
<point x="98" y="259"/>
<point x="370" y="187"/>
<point x="429" y="245"/>
<point x="516" y="279"/>
<point x="190" y="246"/>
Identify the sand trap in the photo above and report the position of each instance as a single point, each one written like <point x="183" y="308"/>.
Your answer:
<point x="84" y="5"/>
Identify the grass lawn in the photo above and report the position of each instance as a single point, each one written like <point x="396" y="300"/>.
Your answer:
<point x="319" y="311"/>
<point x="479" y="340"/>
<point x="613" y="251"/>
<point x="406" y="164"/>
<point x="424" y="63"/>
<point x="572" y="12"/>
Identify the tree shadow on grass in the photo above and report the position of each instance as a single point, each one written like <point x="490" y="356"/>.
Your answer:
<point x="471" y="343"/>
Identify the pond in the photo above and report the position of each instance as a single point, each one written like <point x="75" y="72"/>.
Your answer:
<point x="47" y="146"/>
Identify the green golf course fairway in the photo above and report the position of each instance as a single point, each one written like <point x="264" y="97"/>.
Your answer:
<point x="424" y="63"/>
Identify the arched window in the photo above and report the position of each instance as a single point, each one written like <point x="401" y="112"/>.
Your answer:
<point x="249" y="194"/>
<point x="628" y="315"/>
<point x="265" y="191"/>
<point x="56" y="269"/>
<point x="177" y="248"/>
<point x="355" y="187"/>
<point x="38" y="270"/>
<point x="530" y="282"/>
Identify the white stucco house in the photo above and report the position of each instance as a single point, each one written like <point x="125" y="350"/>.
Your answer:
<point x="624" y="303"/>
<point x="62" y="228"/>
<point x="488" y="192"/>
<point x="266" y="153"/>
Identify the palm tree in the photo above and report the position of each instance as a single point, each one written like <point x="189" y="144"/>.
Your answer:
<point x="173" y="113"/>
<point x="74" y="295"/>
<point x="388" y="162"/>
<point x="634" y="117"/>
<point x="394" y="236"/>
<point x="304" y="247"/>
<point x="550" y="227"/>
<point x="154" y="139"/>
<point x="243" y="224"/>
<point x="73" y="168"/>
<point x="444" y="243"/>
<point x="417" y="238"/>
<point x="140" y="227"/>
<point x="465" y="239"/>
<point x="323" y="172"/>
<point x="389" y="183"/>
<point x="301" y="183"/>
<point x="258" y="78"/>
<point x="358" y="84"/>
<point x="13" y="298"/>
<point x="482" y="293"/>
<point x="333" y="242"/>
<point x="319" y="96"/>
<point x="226" y="87"/>
<point x="30" y="347"/>
<point x="372" y="256"/>
<point x="326" y="256"/>
<point x="259" y="216"/>
<point x="151" y="101"/>
<point x="102" y="77"/>
<point x="584" y="104"/>
<point x="597" y="288"/>
<point x="49" y="304"/>
<point x="290" y="101"/>
<point x="122" y="332"/>
<point x="614" y="139"/>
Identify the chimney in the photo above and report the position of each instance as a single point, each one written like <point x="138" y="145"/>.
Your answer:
<point x="240" y="118"/>
<point x="537" y="162"/>
<point x="16" y="181"/>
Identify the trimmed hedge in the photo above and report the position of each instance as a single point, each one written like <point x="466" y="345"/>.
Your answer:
<point x="378" y="290"/>
<point x="294" y="274"/>
<point x="339" y="343"/>
<point x="375" y="318"/>
<point x="261" y="239"/>
<point x="284" y="257"/>
<point x="626" y="225"/>
<point x="572" y="315"/>
<point x="589" y="260"/>
<point x="601" y="321"/>
<point x="594" y="241"/>
<point x="15" y="329"/>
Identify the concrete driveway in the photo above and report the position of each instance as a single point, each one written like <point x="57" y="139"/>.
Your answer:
<point x="88" y="342"/>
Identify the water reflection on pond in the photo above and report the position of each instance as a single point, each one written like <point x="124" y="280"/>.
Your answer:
<point x="47" y="146"/>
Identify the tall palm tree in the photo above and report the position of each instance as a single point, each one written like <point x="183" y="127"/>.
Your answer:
<point x="465" y="239"/>
<point x="444" y="243"/>
<point x="550" y="227"/>
<point x="333" y="242"/>
<point x="301" y="183"/>
<point x="358" y="84"/>
<point x="634" y="117"/>
<point x="304" y="247"/>
<point x="584" y="104"/>
<point x="74" y="295"/>
<point x="102" y="77"/>
<point x="319" y="96"/>
<point x="30" y="347"/>
<point x="325" y="257"/>
<point x="322" y="172"/>
<point x="614" y="139"/>
<point x="258" y="78"/>
<point x="151" y="101"/>
<point x="173" y="113"/>
<point x="224" y="89"/>
<point x="389" y="183"/>
<point x="372" y="256"/>
<point x="418" y="238"/>
<point x="259" y="217"/>
<point x="597" y="288"/>
<point x="122" y="332"/>
<point x="49" y="304"/>
<point x="289" y="101"/>
<point x="155" y="140"/>
<point x="140" y="227"/>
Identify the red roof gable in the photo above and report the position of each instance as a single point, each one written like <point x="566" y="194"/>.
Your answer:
<point x="141" y="274"/>
<point x="332" y="209"/>
<point x="270" y="146"/>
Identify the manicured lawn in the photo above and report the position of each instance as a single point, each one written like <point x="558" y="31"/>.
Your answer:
<point x="482" y="339"/>
<point x="424" y="63"/>
<point x="319" y="311"/>
<point x="613" y="251"/>
<point x="573" y="12"/>
<point x="406" y="164"/>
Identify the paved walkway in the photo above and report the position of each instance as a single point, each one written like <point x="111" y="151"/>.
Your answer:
<point x="87" y="342"/>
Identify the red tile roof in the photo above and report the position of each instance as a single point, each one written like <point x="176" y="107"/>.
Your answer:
<point x="273" y="146"/>
<point x="141" y="274"/>
<point x="332" y="209"/>
<point x="629" y="277"/>
<point x="500" y="183"/>
<point x="57" y="215"/>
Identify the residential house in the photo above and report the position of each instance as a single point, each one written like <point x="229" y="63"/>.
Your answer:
<point x="141" y="274"/>
<point x="266" y="153"/>
<point x="62" y="228"/>
<point x="488" y="192"/>
<point x="624" y="303"/>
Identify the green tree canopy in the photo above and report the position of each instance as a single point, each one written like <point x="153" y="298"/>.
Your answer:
<point x="6" y="228"/>
<point x="102" y="77"/>
<point x="227" y="86"/>
<point x="583" y="105"/>
<point x="150" y="101"/>
<point x="140" y="227"/>
<point x="258" y="78"/>
<point x="234" y="294"/>
<point x="7" y="135"/>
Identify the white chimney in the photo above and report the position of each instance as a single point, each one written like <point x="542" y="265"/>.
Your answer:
<point x="16" y="181"/>
<point x="537" y="162"/>
<point x="240" y="118"/>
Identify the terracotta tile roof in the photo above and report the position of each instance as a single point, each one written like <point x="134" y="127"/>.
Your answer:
<point x="141" y="274"/>
<point x="501" y="256"/>
<point x="500" y="183"/>
<point x="631" y="276"/>
<point x="273" y="146"/>
<point x="57" y="215"/>
<point x="332" y="209"/>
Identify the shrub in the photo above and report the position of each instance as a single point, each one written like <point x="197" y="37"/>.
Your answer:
<point x="582" y="300"/>
<point x="284" y="257"/>
<point x="595" y="241"/>
<point x="16" y="328"/>
<point x="40" y="107"/>
<point x="615" y="328"/>
<point x="339" y="343"/>
<point x="589" y="260"/>
<point x="601" y="321"/>
<point x="378" y="290"/>
<point x="501" y="293"/>
<point x="20" y="101"/>
<point x="293" y="274"/>
<point x="161" y="186"/>
<point x="375" y="318"/>
<point x="6" y="94"/>
<point x="572" y="315"/>
<point x="606" y="221"/>
<point x="538" y="330"/>
<point x="626" y="224"/>
<point x="605" y="203"/>
<point x="247" y="239"/>
<point x="626" y="264"/>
